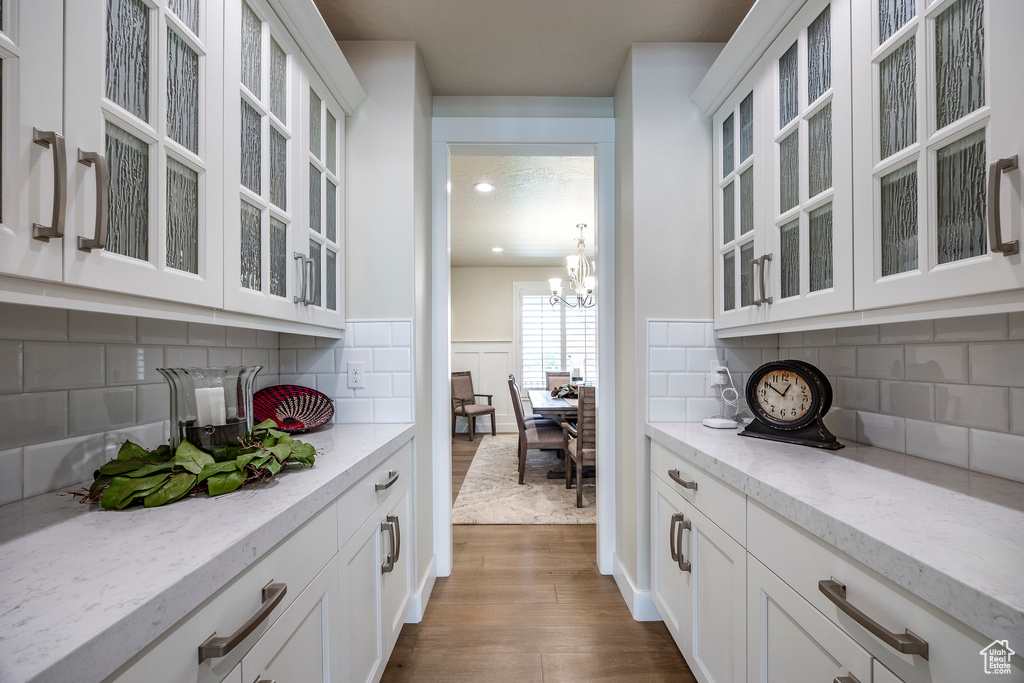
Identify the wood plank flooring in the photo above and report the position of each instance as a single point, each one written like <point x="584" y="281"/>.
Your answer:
<point x="462" y="455"/>
<point x="526" y="603"/>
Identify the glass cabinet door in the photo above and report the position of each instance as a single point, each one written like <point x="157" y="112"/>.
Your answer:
<point x="739" y="166"/>
<point x="941" y="91"/>
<point x="142" y="83"/>
<point x="808" y="187"/>
<point x="33" y="163"/>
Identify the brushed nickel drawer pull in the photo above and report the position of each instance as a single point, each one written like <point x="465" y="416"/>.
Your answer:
<point x="684" y="523"/>
<point x="908" y="643"/>
<point x="995" y="172"/>
<point x="673" y="545"/>
<point x="848" y="678"/>
<point x="54" y="141"/>
<point x="273" y="593"/>
<point x="677" y="478"/>
<point x="389" y="560"/>
<point x="264" y="680"/>
<point x="392" y="478"/>
<point x="398" y="535"/>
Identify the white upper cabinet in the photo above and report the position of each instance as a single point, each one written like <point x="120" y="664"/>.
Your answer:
<point x="939" y="91"/>
<point x="142" y="108"/>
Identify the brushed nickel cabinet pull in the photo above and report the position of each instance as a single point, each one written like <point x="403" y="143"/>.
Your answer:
<point x="908" y="643"/>
<point x="673" y="541"/>
<point x="264" y="680"/>
<point x="55" y="142"/>
<point x="215" y="646"/>
<point x="995" y="172"/>
<point x="760" y="277"/>
<point x="681" y="560"/>
<point x="392" y="478"/>
<point x="389" y="560"/>
<point x="398" y="535"/>
<point x="99" y="162"/>
<point x="677" y="478"/>
<point x="848" y="678"/>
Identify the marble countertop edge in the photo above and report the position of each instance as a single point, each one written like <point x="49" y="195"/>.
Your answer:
<point x="933" y="584"/>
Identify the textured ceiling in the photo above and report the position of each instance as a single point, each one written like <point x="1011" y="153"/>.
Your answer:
<point x="532" y="212"/>
<point x="566" y="48"/>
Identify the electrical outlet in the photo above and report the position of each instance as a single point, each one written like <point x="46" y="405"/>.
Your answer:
<point x="716" y="376"/>
<point x="355" y="374"/>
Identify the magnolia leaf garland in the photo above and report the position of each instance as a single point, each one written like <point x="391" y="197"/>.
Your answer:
<point x="163" y="476"/>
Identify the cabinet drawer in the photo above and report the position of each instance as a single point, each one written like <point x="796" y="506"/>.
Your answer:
<point x="359" y="502"/>
<point x="723" y="504"/>
<point x="954" y="648"/>
<point x="294" y="562"/>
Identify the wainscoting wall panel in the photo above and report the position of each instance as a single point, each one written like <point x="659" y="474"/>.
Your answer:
<point x="490" y="362"/>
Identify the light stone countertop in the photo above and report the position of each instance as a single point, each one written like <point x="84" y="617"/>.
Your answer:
<point x="951" y="536"/>
<point x="85" y="589"/>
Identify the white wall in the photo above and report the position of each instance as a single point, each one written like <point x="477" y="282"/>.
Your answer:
<point x="482" y="304"/>
<point x="663" y="158"/>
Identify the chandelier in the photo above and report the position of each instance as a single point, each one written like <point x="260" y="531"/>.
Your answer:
<point x="580" y="278"/>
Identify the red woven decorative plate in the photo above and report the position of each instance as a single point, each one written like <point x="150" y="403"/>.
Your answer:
<point x="295" y="409"/>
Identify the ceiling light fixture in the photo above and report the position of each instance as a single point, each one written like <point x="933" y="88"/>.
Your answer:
<point x="497" y="250"/>
<point x="580" y="278"/>
<point x="484" y="187"/>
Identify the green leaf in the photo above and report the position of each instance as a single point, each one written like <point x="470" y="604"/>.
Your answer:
<point x="279" y="435"/>
<point x="171" y="490"/>
<point x="217" y="468"/>
<point x="225" y="483"/>
<point x="191" y="458"/>
<point x="281" y="451"/>
<point x="150" y="468"/>
<point x="244" y="460"/>
<point x="133" y="488"/>
<point x="115" y="467"/>
<point x="265" y="425"/>
<point x="162" y="452"/>
<point x="272" y="466"/>
<point x="98" y="485"/>
<point x="259" y="461"/>
<point x="131" y="450"/>
<point x="304" y="452"/>
<point x="110" y="496"/>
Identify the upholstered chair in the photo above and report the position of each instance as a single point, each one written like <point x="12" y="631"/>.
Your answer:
<point x="557" y="379"/>
<point x="540" y="433"/>
<point x="464" y="403"/>
<point x="580" y="440"/>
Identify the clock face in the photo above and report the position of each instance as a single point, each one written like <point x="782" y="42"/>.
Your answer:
<point x="784" y="396"/>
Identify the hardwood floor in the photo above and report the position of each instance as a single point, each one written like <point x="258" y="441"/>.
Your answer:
<point x="462" y="455"/>
<point x="526" y="603"/>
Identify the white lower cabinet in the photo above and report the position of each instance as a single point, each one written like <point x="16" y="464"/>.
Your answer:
<point x="302" y="645"/>
<point x="670" y="587"/>
<point x="789" y="641"/>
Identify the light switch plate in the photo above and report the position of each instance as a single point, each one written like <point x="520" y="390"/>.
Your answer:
<point x="355" y="374"/>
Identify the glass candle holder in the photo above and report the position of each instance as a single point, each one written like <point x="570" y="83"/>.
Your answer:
<point x="210" y="407"/>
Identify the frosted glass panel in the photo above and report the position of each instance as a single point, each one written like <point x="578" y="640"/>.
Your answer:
<point x="728" y="146"/>
<point x="314" y="253"/>
<point x="182" y="92"/>
<point x="278" y="81"/>
<point x="128" y="55"/>
<point x="892" y="15"/>
<point x="819" y="152"/>
<point x="314" y="198"/>
<point x="729" y="212"/>
<point x="127" y="194"/>
<point x="898" y="98"/>
<point x="820" y="224"/>
<point x="899" y="220"/>
<point x="747" y="126"/>
<point x="278" y="258"/>
<point x="187" y="11"/>
<point x="746" y="274"/>
<point x="960" y="176"/>
<point x="332" y="143"/>
<point x="959" y="61"/>
<point x="331" y="280"/>
<point x="252" y="147"/>
<point x="747" y="201"/>
<point x="278" y="169"/>
<point x="252" y="49"/>
<point x="789" y="84"/>
<point x="819" y="55"/>
<point x="182" y="217"/>
<point x="314" y="124"/>
<point x="729" y="281"/>
<point x="789" y="261"/>
<point x="251" y="247"/>
<point x="789" y="172"/>
<point x="331" y="212"/>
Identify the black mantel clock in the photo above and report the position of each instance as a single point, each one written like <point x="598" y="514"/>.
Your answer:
<point x="788" y="399"/>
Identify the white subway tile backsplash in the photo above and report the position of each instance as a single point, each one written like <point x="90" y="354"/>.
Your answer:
<point x="905" y="332"/>
<point x="314" y="360"/>
<point x="686" y="385"/>
<point x="133" y="364"/>
<point x="268" y="340"/>
<point x="370" y="334"/>
<point x="100" y="327"/>
<point x="302" y="380"/>
<point x="883" y="431"/>
<point x="791" y="339"/>
<point x="392" y="360"/>
<point x="657" y="384"/>
<point x="686" y="334"/>
<point x="155" y="331"/>
<point x="907" y="399"/>
<point x="819" y="338"/>
<point x="998" y="364"/>
<point x="262" y="357"/>
<point x="836" y="361"/>
<point x="401" y="384"/>
<point x="186" y="357"/>
<point x="880" y="362"/>
<point x="224" y="357"/>
<point x="61" y="464"/>
<point x="808" y="355"/>
<point x="857" y="336"/>
<point x="664" y="409"/>
<point x="11" y="464"/>
<point x="1016" y="324"/>
<point x="240" y="337"/>
<point x="973" y="406"/>
<point x="668" y="360"/>
<point x="1017" y="411"/>
<point x="937" y="363"/>
<point x="401" y="333"/>
<point x="296" y="341"/>
<point x="50" y="366"/>
<point x="100" y="410"/>
<point x="699" y="360"/>
<point x="33" y="323"/>
<point x="857" y="394"/>
<point x="699" y="408"/>
<point x="972" y="328"/>
<point x="334" y="385"/>
<point x="33" y="418"/>
<point x="344" y="356"/>
<point x="353" y="410"/>
<point x="203" y="334"/>
<point x="375" y="385"/>
<point x="657" y="334"/>
<point x="939" y="442"/>
<point x="287" y="360"/>
<point x="11" y="365"/>
<point x="762" y="341"/>
<point x="842" y="423"/>
<point x="392" y="410"/>
<point x="998" y="454"/>
<point x="742" y="360"/>
<point x="153" y="403"/>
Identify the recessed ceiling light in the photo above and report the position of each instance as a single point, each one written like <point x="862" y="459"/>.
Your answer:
<point x="497" y="250"/>
<point x="484" y="187"/>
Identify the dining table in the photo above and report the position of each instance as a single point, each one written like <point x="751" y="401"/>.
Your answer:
<point x="560" y="410"/>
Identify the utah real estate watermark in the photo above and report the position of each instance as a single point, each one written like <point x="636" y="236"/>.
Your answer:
<point x="997" y="657"/>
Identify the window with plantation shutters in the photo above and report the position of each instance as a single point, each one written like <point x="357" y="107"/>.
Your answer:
<point x="552" y="337"/>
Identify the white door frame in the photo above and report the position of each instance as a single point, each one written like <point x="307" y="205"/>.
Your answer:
<point x="450" y="133"/>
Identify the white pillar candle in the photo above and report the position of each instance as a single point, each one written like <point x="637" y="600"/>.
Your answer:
<point x="210" y="407"/>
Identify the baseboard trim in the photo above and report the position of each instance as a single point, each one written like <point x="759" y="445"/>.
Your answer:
<point x="639" y="602"/>
<point x="418" y="601"/>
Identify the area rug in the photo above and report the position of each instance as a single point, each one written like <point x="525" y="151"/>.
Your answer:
<point x="491" y="493"/>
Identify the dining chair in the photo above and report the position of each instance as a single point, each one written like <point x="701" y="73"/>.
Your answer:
<point x="557" y="379"/>
<point x="542" y="433"/>
<point x="464" y="403"/>
<point x="580" y="440"/>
